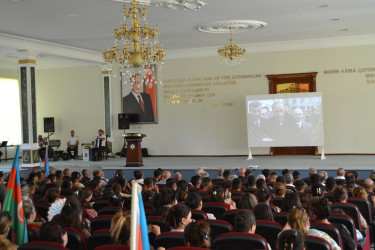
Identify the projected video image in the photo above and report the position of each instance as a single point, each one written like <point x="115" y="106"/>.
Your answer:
<point x="285" y="120"/>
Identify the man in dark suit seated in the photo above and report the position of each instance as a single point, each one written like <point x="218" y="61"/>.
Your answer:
<point x="138" y="103"/>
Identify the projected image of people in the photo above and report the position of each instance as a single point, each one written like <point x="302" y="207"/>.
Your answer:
<point x="285" y="121"/>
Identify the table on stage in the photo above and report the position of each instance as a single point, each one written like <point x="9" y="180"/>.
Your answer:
<point x="134" y="149"/>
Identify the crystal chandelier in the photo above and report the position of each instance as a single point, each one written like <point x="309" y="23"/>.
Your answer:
<point x="137" y="45"/>
<point x="231" y="52"/>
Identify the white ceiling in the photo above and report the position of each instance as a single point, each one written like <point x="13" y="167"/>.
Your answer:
<point x="80" y="29"/>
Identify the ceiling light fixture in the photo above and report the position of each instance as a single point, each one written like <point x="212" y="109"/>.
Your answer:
<point x="231" y="52"/>
<point x="181" y="4"/>
<point x="136" y="46"/>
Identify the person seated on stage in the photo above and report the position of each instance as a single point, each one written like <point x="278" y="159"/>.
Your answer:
<point x="72" y="144"/>
<point x="42" y="142"/>
<point x="99" y="145"/>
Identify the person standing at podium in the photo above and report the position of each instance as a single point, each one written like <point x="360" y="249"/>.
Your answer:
<point x="72" y="144"/>
<point x="138" y="103"/>
<point x="99" y="145"/>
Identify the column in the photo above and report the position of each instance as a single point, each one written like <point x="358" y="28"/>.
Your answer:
<point x="30" y="156"/>
<point x="106" y="73"/>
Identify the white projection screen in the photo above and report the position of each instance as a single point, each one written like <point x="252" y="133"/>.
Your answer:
<point x="284" y="120"/>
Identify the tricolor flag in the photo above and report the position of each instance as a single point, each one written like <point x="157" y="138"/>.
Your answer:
<point x="14" y="205"/>
<point x="46" y="163"/>
<point x="139" y="232"/>
<point x="149" y="86"/>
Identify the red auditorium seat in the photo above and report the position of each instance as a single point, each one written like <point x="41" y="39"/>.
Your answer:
<point x="240" y="241"/>
<point x="42" y="245"/>
<point x="75" y="239"/>
<point x="218" y="227"/>
<point x="268" y="230"/>
<point x="316" y="243"/>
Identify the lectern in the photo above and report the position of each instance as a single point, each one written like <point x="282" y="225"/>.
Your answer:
<point x="134" y="149"/>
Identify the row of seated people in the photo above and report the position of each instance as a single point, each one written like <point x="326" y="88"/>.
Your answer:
<point x="220" y="234"/>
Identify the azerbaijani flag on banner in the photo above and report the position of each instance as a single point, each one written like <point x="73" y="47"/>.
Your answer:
<point x="13" y="204"/>
<point x="46" y="163"/>
<point x="149" y="86"/>
<point x="139" y="232"/>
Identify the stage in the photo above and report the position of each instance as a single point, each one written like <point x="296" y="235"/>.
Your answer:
<point x="364" y="164"/>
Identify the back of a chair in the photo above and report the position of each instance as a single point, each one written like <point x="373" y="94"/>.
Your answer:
<point x="218" y="227"/>
<point x="205" y="198"/>
<point x="316" y="243"/>
<point x="99" y="238"/>
<point x="330" y="197"/>
<point x="75" y="239"/>
<point x="351" y="210"/>
<point x="239" y="241"/>
<point x="268" y="230"/>
<point x="364" y="207"/>
<point x="169" y="239"/>
<point x="100" y="204"/>
<point x="111" y="210"/>
<point x="198" y="214"/>
<point x="148" y="205"/>
<point x="113" y="247"/>
<point x="229" y="215"/>
<point x="281" y="218"/>
<point x="42" y="245"/>
<point x="156" y="220"/>
<point x="187" y="248"/>
<point x="101" y="222"/>
<point x="42" y="209"/>
<point x="330" y="230"/>
<point x="215" y="208"/>
<point x="347" y="221"/>
<point x="276" y="201"/>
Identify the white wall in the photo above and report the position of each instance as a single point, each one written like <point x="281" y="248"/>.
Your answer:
<point x="74" y="96"/>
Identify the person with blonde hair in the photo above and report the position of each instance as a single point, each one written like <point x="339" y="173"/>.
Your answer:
<point x="299" y="219"/>
<point x="120" y="228"/>
<point x="279" y="189"/>
<point x="360" y="192"/>
<point x="5" y="244"/>
<point x="5" y="223"/>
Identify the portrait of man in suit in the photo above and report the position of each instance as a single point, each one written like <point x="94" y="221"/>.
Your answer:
<point x="302" y="129"/>
<point x="137" y="102"/>
<point x="256" y="123"/>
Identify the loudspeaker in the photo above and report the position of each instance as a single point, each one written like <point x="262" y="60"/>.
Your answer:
<point x="145" y="152"/>
<point x="123" y="121"/>
<point x="49" y="124"/>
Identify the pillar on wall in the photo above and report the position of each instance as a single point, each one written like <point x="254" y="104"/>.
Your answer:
<point x="106" y="73"/>
<point x="26" y="62"/>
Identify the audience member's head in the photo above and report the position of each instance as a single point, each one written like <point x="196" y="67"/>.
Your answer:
<point x="263" y="212"/>
<point x="341" y="172"/>
<point x="182" y="185"/>
<point x="199" y="171"/>
<point x="296" y="175"/>
<point x="157" y="174"/>
<point x="279" y="189"/>
<point x="290" y="200"/>
<point x="237" y="184"/>
<point x="53" y="231"/>
<point x="360" y="192"/>
<point x="220" y="172"/>
<point x="5" y="223"/>
<point x="29" y="211"/>
<point x="226" y="174"/>
<point x="281" y="179"/>
<point x="244" y="221"/>
<point x="340" y="194"/>
<point x="300" y="185"/>
<point x="266" y="173"/>
<point x="317" y="190"/>
<point x="247" y="201"/>
<point x="263" y="195"/>
<point x="260" y="183"/>
<point x="197" y="234"/>
<point x="120" y="228"/>
<point x="330" y="184"/>
<point x="251" y="181"/>
<point x="194" y="201"/>
<point x="206" y="182"/>
<point x="291" y="239"/>
<point x="318" y="208"/>
<point x="312" y="171"/>
<point x="178" y="217"/>
<point x="298" y="219"/>
<point x="196" y="181"/>
<point x="368" y="184"/>
<point x="217" y="194"/>
<point x="288" y="178"/>
<point x="272" y="177"/>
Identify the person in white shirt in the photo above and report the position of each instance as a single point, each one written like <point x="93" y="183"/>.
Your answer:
<point x="99" y="145"/>
<point x="72" y="144"/>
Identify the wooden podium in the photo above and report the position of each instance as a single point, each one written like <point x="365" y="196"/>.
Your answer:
<point x="134" y="149"/>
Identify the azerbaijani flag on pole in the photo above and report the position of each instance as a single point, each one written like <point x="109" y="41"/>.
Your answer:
<point x="14" y="205"/>
<point x="139" y="232"/>
<point x="149" y="86"/>
<point x="46" y="163"/>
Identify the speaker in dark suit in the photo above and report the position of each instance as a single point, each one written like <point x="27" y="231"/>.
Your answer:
<point x="138" y="103"/>
<point x="49" y="124"/>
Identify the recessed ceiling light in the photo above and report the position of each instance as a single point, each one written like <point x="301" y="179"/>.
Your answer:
<point x="336" y="19"/>
<point x="73" y="15"/>
<point x="344" y="30"/>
